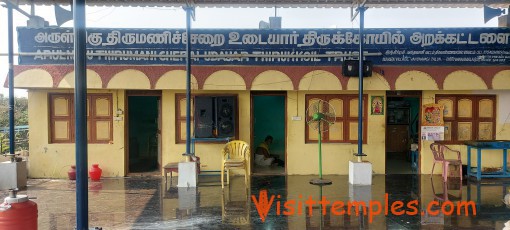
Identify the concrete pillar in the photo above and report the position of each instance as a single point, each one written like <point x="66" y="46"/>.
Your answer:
<point x="360" y="173"/>
<point x="187" y="174"/>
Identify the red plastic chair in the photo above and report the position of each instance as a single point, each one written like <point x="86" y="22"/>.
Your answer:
<point x="450" y="186"/>
<point x="439" y="150"/>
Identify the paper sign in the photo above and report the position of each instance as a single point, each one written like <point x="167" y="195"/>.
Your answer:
<point x="432" y="133"/>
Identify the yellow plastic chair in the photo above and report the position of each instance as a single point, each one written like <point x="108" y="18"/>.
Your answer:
<point x="236" y="155"/>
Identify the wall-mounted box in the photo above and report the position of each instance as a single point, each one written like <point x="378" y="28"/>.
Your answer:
<point x="14" y="175"/>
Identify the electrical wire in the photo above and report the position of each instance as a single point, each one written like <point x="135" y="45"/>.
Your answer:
<point x="503" y="126"/>
<point x="106" y="15"/>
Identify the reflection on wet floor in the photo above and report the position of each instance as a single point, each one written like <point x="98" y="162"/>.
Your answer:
<point x="151" y="203"/>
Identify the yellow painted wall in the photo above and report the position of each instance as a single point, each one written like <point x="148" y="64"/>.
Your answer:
<point x="319" y="80"/>
<point x="224" y="80"/>
<point x="93" y="80"/>
<point x="501" y="80"/>
<point x="490" y="158"/>
<point x="34" y="78"/>
<point x="137" y="80"/>
<point x="54" y="160"/>
<point x="376" y="82"/>
<point x="272" y="80"/>
<point x="415" y="80"/>
<point x="303" y="158"/>
<point x="463" y="80"/>
<point x="175" y="79"/>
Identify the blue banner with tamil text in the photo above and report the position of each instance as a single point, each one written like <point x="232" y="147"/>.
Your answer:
<point x="293" y="47"/>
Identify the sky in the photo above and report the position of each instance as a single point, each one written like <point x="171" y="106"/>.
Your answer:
<point x="160" y="17"/>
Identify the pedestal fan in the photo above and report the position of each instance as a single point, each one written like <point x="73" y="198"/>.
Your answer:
<point x="319" y="116"/>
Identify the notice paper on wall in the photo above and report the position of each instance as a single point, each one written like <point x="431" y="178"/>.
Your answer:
<point x="432" y="133"/>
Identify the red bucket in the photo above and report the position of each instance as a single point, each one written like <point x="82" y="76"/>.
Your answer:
<point x="18" y="213"/>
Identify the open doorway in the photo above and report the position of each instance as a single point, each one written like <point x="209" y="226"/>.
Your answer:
<point x="268" y="119"/>
<point x="402" y="130"/>
<point x="143" y="133"/>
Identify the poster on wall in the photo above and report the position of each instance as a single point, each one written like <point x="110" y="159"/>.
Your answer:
<point x="432" y="133"/>
<point x="432" y="122"/>
<point x="432" y="115"/>
<point x="377" y="105"/>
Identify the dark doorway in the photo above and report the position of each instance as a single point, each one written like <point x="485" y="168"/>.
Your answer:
<point x="143" y="123"/>
<point x="268" y="118"/>
<point x="402" y="130"/>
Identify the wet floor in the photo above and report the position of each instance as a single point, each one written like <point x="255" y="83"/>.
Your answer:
<point x="150" y="203"/>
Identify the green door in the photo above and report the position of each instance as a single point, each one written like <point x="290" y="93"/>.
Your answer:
<point x="269" y="119"/>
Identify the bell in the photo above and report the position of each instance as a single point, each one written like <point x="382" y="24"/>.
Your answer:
<point x="489" y="13"/>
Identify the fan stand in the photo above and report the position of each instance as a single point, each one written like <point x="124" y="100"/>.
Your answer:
<point x="320" y="181"/>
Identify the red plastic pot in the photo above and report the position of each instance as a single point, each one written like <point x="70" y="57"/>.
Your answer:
<point x="72" y="173"/>
<point x="18" y="213"/>
<point x="95" y="172"/>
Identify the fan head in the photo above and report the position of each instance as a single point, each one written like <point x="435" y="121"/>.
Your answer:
<point x="320" y="115"/>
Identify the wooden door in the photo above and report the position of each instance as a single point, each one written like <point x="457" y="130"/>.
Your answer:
<point x="397" y="137"/>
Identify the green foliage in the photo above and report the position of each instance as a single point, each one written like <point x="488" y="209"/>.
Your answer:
<point x="20" y="111"/>
<point x="21" y="141"/>
<point x="20" y="118"/>
<point x="4" y="143"/>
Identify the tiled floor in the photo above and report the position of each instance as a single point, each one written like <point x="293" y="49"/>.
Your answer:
<point x="398" y="166"/>
<point x="269" y="170"/>
<point x="398" y="163"/>
<point x="150" y="203"/>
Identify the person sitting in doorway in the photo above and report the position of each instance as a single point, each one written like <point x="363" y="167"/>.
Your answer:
<point x="263" y="157"/>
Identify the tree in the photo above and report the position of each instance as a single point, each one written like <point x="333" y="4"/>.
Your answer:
<point x="20" y="111"/>
<point x="20" y="118"/>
